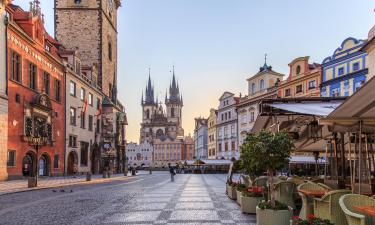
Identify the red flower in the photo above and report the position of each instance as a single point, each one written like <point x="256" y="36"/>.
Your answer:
<point x="311" y="216"/>
<point x="295" y="218"/>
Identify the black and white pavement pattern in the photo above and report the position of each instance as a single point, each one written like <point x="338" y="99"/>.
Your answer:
<point x="147" y="199"/>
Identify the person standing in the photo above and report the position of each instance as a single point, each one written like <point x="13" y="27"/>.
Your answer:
<point x="172" y="172"/>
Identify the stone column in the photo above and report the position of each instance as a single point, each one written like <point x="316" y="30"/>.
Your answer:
<point x="3" y="97"/>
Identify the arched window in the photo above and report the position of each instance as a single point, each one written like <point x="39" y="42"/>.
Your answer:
<point x="253" y="88"/>
<point x="172" y="113"/>
<point x="110" y="51"/>
<point x="148" y="114"/>
<point x="298" y="70"/>
<point x="77" y="1"/>
<point x="261" y="84"/>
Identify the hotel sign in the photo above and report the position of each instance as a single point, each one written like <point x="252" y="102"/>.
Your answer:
<point x="37" y="141"/>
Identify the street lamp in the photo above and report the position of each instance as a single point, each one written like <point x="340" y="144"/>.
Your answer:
<point x="316" y="157"/>
<point x="36" y="142"/>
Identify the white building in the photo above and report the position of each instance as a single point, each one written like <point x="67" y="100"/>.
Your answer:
<point x="200" y="138"/>
<point x="226" y="127"/>
<point x="139" y="154"/>
<point x="3" y="96"/>
<point x="83" y="117"/>
<point x="261" y="86"/>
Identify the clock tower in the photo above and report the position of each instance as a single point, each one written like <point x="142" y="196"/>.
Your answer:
<point x="90" y="26"/>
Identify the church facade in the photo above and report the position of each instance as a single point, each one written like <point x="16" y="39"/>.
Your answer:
<point x="160" y="122"/>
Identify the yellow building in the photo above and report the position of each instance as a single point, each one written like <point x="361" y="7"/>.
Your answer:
<point x="212" y="134"/>
<point x="369" y="48"/>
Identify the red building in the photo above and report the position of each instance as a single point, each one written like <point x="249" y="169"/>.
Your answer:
<point x="36" y="96"/>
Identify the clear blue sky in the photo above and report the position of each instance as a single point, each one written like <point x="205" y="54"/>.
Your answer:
<point x="217" y="44"/>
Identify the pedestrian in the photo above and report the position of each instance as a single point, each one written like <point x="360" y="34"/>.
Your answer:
<point x="171" y="171"/>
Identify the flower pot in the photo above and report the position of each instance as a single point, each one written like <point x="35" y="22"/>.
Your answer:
<point x="232" y="192"/>
<point x="239" y="195"/>
<point x="249" y="204"/>
<point x="273" y="217"/>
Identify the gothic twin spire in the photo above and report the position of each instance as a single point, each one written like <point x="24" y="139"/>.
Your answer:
<point x="174" y="92"/>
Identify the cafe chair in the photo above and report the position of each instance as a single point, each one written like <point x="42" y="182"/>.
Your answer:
<point x="246" y="180"/>
<point x="307" y="203"/>
<point x="325" y="186"/>
<point x="328" y="207"/>
<point x="353" y="216"/>
<point x="296" y="180"/>
<point x="261" y="181"/>
<point x="285" y="193"/>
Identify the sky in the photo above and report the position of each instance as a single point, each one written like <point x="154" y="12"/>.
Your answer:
<point x="216" y="45"/>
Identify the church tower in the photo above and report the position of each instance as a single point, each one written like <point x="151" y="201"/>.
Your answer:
<point x="149" y="110"/>
<point x="90" y="26"/>
<point x="174" y="105"/>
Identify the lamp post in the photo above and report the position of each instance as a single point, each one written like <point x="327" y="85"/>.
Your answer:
<point x="36" y="142"/>
<point x="316" y="157"/>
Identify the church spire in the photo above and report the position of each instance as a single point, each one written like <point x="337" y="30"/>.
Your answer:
<point x="150" y="97"/>
<point x="174" y="92"/>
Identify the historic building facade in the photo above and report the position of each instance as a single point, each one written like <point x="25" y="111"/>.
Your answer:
<point x="345" y="71"/>
<point x="369" y="48"/>
<point x="226" y="127"/>
<point x="83" y="117"/>
<point x="158" y="123"/>
<point x="188" y="151"/>
<point x="200" y="138"/>
<point x="36" y="85"/>
<point x="139" y="155"/>
<point x="262" y="85"/>
<point x="211" y="145"/>
<point x="3" y="95"/>
<point x="303" y="81"/>
<point x="91" y="27"/>
<point x="168" y="151"/>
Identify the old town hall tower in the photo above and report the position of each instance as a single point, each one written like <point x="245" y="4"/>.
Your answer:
<point x="157" y="122"/>
<point x="90" y="26"/>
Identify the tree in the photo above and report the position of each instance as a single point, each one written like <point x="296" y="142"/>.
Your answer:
<point x="266" y="152"/>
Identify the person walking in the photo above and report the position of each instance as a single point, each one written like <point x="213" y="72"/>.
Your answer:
<point x="172" y="172"/>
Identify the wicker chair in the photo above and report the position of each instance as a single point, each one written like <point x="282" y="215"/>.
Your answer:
<point x="325" y="186"/>
<point x="353" y="216"/>
<point x="296" y="180"/>
<point x="261" y="181"/>
<point x="307" y="202"/>
<point x="328" y="207"/>
<point x="285" y="193"/>
<point x="246" y="180"/>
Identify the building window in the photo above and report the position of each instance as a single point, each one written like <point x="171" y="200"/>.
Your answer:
<point x="287" y="92"/>
<point x="15" y="67"/>
<point x="298" y="70"/>
<point x="84" y="153"/>
<point x="98" y="104"/>
<point x="11" y="158"/>
<point x="110" y="51"/>
<point x="72" y="116"/>
<point x="336" y="92"/>
<point x="358" y="84"/>
<point x="77" y="1"/>
<point x="46" y="83"/>
<point x="355" y="66"/>
<point x="91" y="121"/>
<point x="18" y="98"/>
<point x="33" y="76"/>
<point x="83" y="120"/>
<point x="56" y="161"/>
<point x="90" y="99"/>
<point x="110" y="91"/>
<point x="299" y="89"/>
<point x="72" y="141"/>
<point x="312" y="84"/>
<point x="57" y="90"/>
<point x="261" y="84"/>
<point x="222" y="117"/>
<point x="253" y="88"/>
<point x="172" y="113"/>
<point x="252" y="116"/>
<point x="72" y="88"/>
<point x="341" y="71"/>
<point x="226" y="146"/>
<point x="229" y="115"/>
<point x="98" y="126"/>
<point x="83" y="94"/>
<point x="233" y="145"/>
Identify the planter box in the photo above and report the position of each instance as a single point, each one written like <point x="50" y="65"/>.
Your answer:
<point x="239" y="196"/>
<point x="232" y="193"/>
<point x="273" y="217"/>
<point x="249" y="204"/>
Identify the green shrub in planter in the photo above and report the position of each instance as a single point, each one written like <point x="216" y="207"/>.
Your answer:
<point x="239" y="190"/>
<point x="311" y="220"/>
<point x="232" y="193"/>
<point x="273" y="213"/>
<point x="250" y="200"/>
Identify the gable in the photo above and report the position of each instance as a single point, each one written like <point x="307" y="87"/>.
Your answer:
<point x="226" y="95"/>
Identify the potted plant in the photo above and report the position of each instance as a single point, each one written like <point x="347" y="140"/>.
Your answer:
<point x="270" y="152"/>
<point x="250" y="198"/>
<point x="239" y="189"/>
<point x="231" y="186"/>
<point x="311" y="220"/>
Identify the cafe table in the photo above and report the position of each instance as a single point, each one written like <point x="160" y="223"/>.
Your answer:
<point x="313" y="193"/>
<point x="369" y="210"/>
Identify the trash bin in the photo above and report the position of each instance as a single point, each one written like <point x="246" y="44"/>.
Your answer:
<point x="32" y="182"/>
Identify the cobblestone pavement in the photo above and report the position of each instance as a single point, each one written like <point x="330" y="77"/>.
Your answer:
<point x="148" y="199"/>
<point x="49" y="182"/>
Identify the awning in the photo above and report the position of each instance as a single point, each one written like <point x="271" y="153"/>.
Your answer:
<point x="211" y="162"/>
<point x="306" y="160"/>
<point x="308" y="108"/>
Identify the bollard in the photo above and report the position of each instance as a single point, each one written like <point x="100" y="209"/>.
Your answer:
<point x="88" y="176"/>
